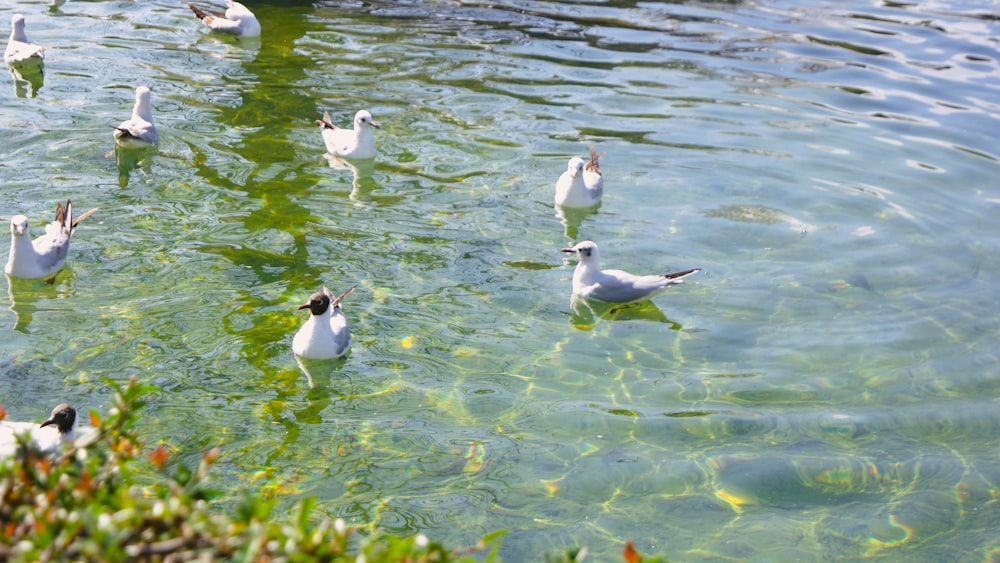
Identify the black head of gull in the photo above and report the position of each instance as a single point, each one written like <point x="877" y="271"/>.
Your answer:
<point x="63" y="417"/>
<point x="318" y="303"/>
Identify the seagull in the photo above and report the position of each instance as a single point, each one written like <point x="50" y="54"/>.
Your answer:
<point x="19" y="49"/>
<point x="616" y="286"/>
<point x="138" y="131"/>
<point x="582" y="184"/>
<point x="44" y="256"/>
<point x="42" y="436"/>
<point x="325" y="335"/>
<point x="349" y="143"/>
<point x="237" y="20"/>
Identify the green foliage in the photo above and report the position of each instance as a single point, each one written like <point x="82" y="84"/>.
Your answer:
<point x="84" y="504"/>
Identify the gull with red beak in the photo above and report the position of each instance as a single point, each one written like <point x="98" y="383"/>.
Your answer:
<point x="325" y="335"/>
<point x="236" y="20"/>
<point x="582" y="184"/>
<point x="44" y="256"/>
<point x="356" y="143"/>
<point x="138" y="131"/>
<point x="59" y="428"/>
<point x="616" y="286"/>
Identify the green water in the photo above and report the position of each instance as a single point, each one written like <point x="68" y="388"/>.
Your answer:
<point x="825" y="389"/>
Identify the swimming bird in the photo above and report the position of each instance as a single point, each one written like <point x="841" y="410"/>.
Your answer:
<point x="138" y="131"/>
<point x="325" y="335"/>
<point x="350" y="143"/>
<point x="19" y="49"/>
<point x="582" y="184"/>
<point x="616" y="286"/>
<point x="44" y="256"/>
<point x="237" y="20"/>
<point x="59" y="428"/>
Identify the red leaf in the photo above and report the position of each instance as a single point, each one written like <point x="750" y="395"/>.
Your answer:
<point x="159" y="456"/>
<point x="630" y="554"/>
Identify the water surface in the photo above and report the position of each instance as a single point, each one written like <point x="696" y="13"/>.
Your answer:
<point x="825" y="389"/>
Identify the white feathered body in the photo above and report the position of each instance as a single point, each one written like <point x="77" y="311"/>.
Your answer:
<point x="357" y="143"/>
<point x="616" y="286"/>
<point x="325" y="334"/>
<point x="19" y="50"/>
<point x="582" y="184"/>
<point x="237" y="20"/>
<point x="138" y="131"/>
<point x="46" y="439"/>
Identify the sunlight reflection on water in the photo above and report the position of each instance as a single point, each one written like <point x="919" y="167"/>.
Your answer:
<point x="823" y="388"/>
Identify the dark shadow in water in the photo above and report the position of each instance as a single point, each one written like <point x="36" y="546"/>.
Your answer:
<point x="265" y="114"/>
<point x="363" y="171"/>
<point x="572" y="218"/>
<point x="585" y="313"/>
<point x="28" y="77"/>
<point x="26" y="294"/>
<point x="320" y="372"/>
<point x="129" y="159"/>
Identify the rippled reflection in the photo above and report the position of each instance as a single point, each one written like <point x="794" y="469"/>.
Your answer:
<point x="28" y="78"/>
<point x="826" y="391"/>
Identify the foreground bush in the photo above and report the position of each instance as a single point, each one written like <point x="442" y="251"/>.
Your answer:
<point x="85" y="504"/>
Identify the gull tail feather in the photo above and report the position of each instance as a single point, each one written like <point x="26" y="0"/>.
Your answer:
<point x="678" y="277"/>
<point x="592" y="166"/>
<point x="86" y="214"/>
<point x="126" y="133"/>
<point x="202" y="14"/>
<point x="334" y="303"/>
<point x="325" y="122"/>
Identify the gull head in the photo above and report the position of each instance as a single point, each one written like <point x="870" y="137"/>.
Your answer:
<point x="19" y="225"/>
<point x="17" y="28"/>
<point x="575" y="165"/>
<point x="64" y="417"/>
<point x="318" y="303"/>
<point x="586" y="250"/>
<point x="363" y="117"/>
<point x="142" y="96"/>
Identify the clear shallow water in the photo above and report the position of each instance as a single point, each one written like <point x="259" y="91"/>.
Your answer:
<point x="826" y="388"/>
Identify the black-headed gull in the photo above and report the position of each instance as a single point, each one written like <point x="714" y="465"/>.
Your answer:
<point x="19" y="50"/>
<point x="60" y="427"/>
<point x="237" y="20"/>
<point x="325" y="335"/>
<point x="350" y="143"/>
<point x="44" y="256"/>
<point x="616" y="286"/>
<point x="138" y="131"/>
<point x="582" y="184"/>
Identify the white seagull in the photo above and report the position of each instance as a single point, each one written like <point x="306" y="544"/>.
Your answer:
<point x="138" y="131"/>
<point x="44" y="256"/>
<point x="237" y="20"/>
<point x="582" y="184"/>
<point x="349" y="143"/>
<point x="616" y="286"/>
<point x="325" y="335"/>
<point x="19" y="49"/>
<point x="59" y="428"/>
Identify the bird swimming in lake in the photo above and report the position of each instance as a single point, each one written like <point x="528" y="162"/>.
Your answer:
<point x="44" y="256"/>
<point x="616" y="286"/>
<point x="582" y="184"/>
<point x="325" y="335"/>
<point x="59" y="428"/>
<point x="19" y="50"/>
<point x="138" y="131"/>
<point x="356" y="143"/>
<point x="237" y="20"/>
